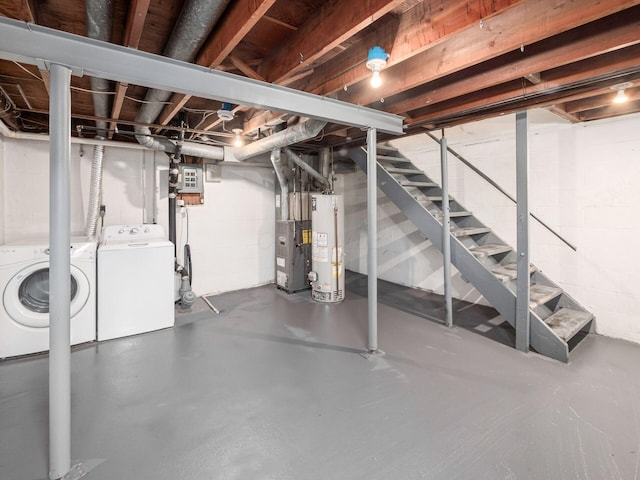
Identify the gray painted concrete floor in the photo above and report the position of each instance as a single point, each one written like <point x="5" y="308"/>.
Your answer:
<point x="275" y="388"/>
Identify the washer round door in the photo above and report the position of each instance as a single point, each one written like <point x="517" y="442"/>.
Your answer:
<point x="26" y="297"/>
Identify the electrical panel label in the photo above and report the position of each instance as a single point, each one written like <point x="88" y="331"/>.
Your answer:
<point x="306" y="237"/>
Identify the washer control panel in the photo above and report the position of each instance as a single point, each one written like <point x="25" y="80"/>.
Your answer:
<point x="132" y="233"/>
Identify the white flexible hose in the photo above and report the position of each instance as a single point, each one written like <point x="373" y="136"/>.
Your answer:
<point x="93" y="210"/>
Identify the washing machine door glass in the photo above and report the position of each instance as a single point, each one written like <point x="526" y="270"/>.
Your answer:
<point x="26" y="297"/>
<point x="34" y="291"/>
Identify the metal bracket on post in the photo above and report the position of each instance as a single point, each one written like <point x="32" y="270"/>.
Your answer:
<point x="46" y="65"/>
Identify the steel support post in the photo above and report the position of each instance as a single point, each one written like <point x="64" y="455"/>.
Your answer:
<point x="372" y="244"/>
<point x="446" y="233"/>
<point x="59" y="273"/>
<point x="523" y="261"/>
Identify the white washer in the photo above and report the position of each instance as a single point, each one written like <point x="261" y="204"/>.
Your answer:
<point x="24" y="280"/>
<point x="135" y="281"/>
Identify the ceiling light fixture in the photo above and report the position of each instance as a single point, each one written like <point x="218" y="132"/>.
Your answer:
<point x="621" y="97"/>
<point x="237" y="139"/>
<point x="376" y="61"/>
<point x="225" y="113"/>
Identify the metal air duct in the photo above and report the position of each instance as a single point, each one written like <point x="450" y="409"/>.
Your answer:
<point x="307" y="168"/>
<point x="99" y="20"/>
<point x="191" y="30"/>
<point x="297" y="133"/>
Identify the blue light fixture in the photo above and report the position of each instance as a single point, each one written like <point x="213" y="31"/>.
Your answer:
<point x="376" y="61"/>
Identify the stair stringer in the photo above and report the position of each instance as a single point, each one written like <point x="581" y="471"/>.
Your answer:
<point x="542" y="338"/>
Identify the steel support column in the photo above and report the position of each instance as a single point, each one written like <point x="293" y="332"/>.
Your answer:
<point x="372" y="243"/>
<point x="523" y="261"/>
<point x="446" y="232"/>
<point x="59" y="273"/>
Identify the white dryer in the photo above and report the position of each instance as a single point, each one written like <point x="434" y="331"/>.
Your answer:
<point x="24" y="280"/>
<point x="135" y="281"/>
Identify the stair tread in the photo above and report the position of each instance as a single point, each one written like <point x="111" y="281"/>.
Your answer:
<point x="540" y="294"/>
<point x="409" y="183"/>
<point x="436" y="198"/>
<point x="404" y="171"/>
<point x="509" y="271"/>
<point x="394" y="159"/>
<point x="466" y="231"/>
<point x="386" y="148"/>
<point x="489" y="250"/>
<point x="566" y="322"/>
<point x="462" y="213"/>
<point x="429" y="199"/>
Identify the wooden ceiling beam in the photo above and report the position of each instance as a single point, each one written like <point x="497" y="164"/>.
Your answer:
<point x="604" y="36"/>
<point x="610" y="111"/>
<point x="612" y="68"/>
<point x="261" y="119"/>
<point x="138" y="10"/>
<point x="403" y="37"/>
<point x="522" y="24"/>
<point x="236" y="23"/>
<point x="244" y="68"/>
<point x="562" y="113"/>
<point x="28" y="11"/>
<point x="598" y="101"/>
<point x="335" y="22"/>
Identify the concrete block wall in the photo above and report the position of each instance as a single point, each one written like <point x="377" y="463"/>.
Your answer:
<point x="231" y="234"/>
<point x="583" y="183"/>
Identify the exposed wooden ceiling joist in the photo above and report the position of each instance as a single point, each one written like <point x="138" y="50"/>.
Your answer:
<point x="238" y="21"/>
<point x="313" y="40"/>
<point x="604" y="36"/>
<point x="451" y="61"/>
<point x="522" y="24"/>
<point x="133" y="32"/>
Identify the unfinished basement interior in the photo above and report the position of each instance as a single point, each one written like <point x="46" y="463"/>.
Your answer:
<point x="306" y="239"/>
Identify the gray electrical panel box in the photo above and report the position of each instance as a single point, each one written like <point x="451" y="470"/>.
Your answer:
<point x="293" y="254"/>
<point x="190" y="178"/>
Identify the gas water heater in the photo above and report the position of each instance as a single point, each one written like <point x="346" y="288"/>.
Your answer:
<point x="327" y="248"/>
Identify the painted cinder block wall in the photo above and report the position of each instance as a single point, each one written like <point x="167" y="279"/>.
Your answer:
<point x="583" y="183"/>
<point x="231" y="235"/>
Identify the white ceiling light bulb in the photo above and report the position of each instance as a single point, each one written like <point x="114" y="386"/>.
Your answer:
<point x="376" y="79"/>
<point x="237" y="140"/>
<point x="620" y="97"/>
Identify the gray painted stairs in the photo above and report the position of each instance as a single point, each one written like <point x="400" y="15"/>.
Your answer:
<point x="482" y="258"/>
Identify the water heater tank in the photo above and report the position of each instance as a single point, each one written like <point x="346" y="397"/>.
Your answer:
<point x="327" y="248"/>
